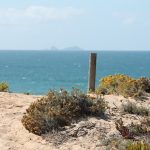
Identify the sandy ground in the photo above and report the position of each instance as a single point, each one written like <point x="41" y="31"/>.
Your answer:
<point x="13" y="136"/>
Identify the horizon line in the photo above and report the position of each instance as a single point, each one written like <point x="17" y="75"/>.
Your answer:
<point x="59" y="50"/>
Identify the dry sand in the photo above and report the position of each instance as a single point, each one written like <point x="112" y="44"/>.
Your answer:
<point x="13" y="136"/>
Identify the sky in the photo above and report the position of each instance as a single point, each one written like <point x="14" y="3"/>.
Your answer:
<point x="89" y="24"/>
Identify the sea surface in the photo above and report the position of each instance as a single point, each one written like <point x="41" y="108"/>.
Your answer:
<point x="37" y="72"/>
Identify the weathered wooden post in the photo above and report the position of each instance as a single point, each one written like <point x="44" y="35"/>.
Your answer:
<point x="92" y="72"/>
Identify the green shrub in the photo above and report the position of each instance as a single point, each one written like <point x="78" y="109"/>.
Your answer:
<point x="132" y="108"/>
<point x="124" y="144"/>
<point x="26" y="93"/>
<point x="139" y="146"/>
<point x="141" y="129"/>
<point x="4" y="87"/>
<point x="58" y="109"/>
<point x="144" y="84"/>
<point x="124" y="85"/>
<point x="116" y="143"/>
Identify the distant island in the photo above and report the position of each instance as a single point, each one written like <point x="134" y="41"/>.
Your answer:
<point x="73" y="48"/>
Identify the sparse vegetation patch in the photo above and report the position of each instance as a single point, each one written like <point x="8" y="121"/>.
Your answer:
<point x="139" y="146"/>
<point x="132" y="108"/>
<point x="136" y="136"/>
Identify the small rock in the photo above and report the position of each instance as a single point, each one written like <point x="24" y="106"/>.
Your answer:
<point x="73" y="133"/>
<point x="81" y="133"/>
<point x="43" y="142"/>
<point x="87" y="125"/>
<point x="98" y="144"/>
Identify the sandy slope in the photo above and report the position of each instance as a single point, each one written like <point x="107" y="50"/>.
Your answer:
<point x="13" y="135"/>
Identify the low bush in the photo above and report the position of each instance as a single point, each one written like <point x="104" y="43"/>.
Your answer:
<point x="139" y="129"/>
<point x="4" y="87"/>
<point x="144" y="84"/>
<point x="26" y="93"/>
<point x="142" y="128"/>
<point x="124" y="85"/>
<point x="124" y="144"/>
<point x="117" y="143"/>
<point x="139" y="146"/>
<point x="58" y="109"/>
<point x="132" y="108"/>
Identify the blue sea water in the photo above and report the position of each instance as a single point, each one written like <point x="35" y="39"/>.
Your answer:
<point x="38" y="71"/>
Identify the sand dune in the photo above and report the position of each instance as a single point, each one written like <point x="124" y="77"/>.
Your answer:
<point x="13" y="136"/>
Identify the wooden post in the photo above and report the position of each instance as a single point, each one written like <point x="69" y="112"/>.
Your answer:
<point x="92" y="72"/>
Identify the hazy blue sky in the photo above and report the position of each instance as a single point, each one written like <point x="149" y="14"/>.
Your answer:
<point x="89" y="24"/>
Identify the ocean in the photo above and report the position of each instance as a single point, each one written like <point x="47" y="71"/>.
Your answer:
<point x="37" y="72"/>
